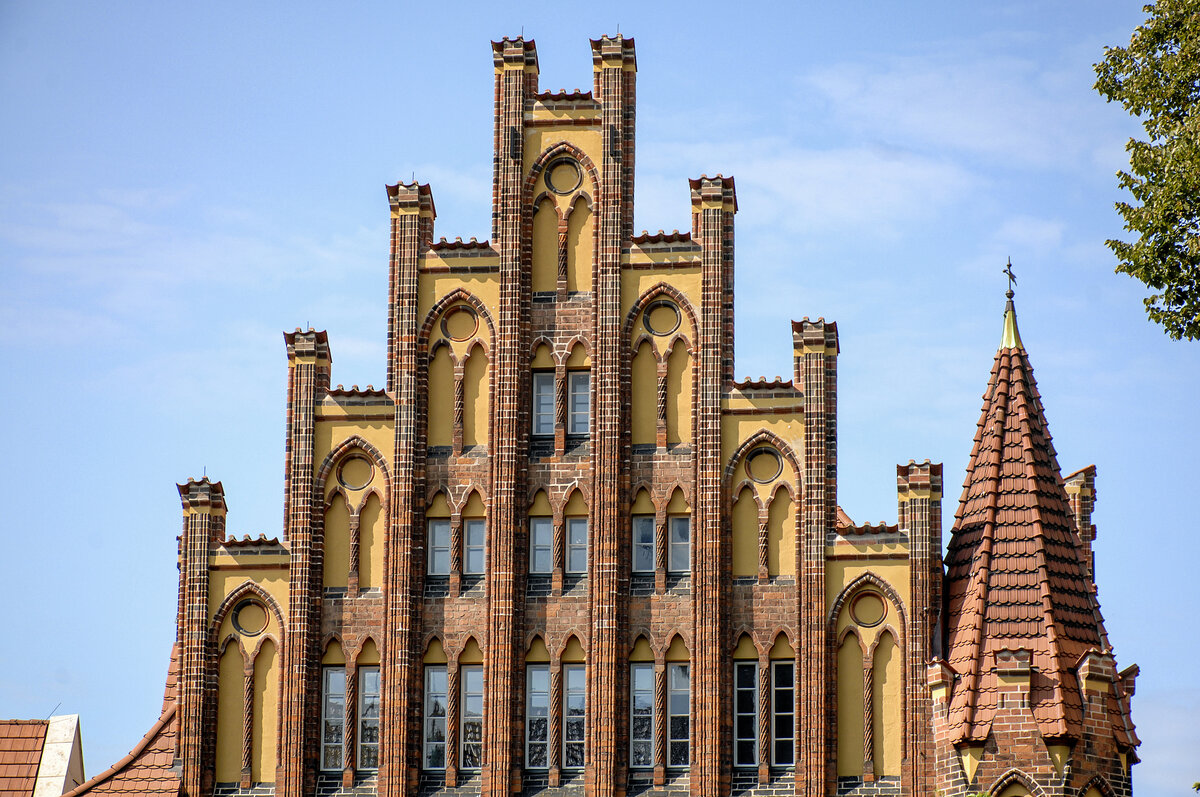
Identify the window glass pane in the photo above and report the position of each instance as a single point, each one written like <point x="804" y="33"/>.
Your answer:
<point x="783" y="705"/>
<point x="680" y="535"/>
<point x="368" y="718"/>
<point x="641" y="709"/>
<point x="541" y="545"/>
<point x="745" y="707"/>
<point x="439" y="546"/>
<point x="333" y="722"/>
<point x="471" y="723"/>
<point x="537" y="709"/>
<point x="574" y="719"/>
<point x="678" y="715"/>
<point x="474" y="533"/>
<point x="543" y="402"/>
<point x="643" y="543"/>
<point x="578" y="389"/>
<point x="577" y="545"/>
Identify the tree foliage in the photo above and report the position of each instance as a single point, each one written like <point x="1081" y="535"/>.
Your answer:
<point x="1157" y="79"/>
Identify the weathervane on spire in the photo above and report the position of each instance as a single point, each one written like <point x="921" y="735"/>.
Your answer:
<point x="1012" y="278"/>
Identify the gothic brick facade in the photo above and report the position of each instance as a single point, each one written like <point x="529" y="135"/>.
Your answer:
<point x="565" y="552"/>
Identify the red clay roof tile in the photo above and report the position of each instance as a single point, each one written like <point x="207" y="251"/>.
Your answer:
<point x="21" y="743"/>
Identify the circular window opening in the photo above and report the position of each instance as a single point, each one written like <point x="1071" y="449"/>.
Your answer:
<point x="250" y="618"/>
<point x="459" y="323"/>
<point x="563" y="177"/>
<point x="764" y="465"/>
<point x="661" y="317"/>
<point x="355" y="473"/>
<point x="868" y="609"/>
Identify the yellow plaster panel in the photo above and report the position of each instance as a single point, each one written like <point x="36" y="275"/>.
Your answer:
<point x="1059" y="754"/>
<point x="475" y="399"/>
<point x="471" y="654"/>
<point x="331" y="432"/>
<point x="439" y="419"/>
<point x="969" y="756"/>
<point x="233" y="557"/>
<point x="432" y="287"/>
<point x="435" y="653"/>
<point x="541" y="505"/>
<point x="266" y="713"/>
<point x="1014" y="790"/>
<point x="644" y="397"/>
<point x="840" y="573"/>
<point x="369" y="655"/>
<point x="634" y="283"/>
<point x="439" y="507"/>
<point x="782" y="649"/>
<point x="537" y="653"/>
<point x="641" y="650"/>
<point x="745" y="534"/>
<point x="579" y="357"/>
<point x="850" y="708"/>
<point x="336" y="562"/>
<point x="781" y="536"/>
<point x="334" y="655"/>
<point x="736" y="429"/>
<point x="679" y="395"/>
<point x="576" y="506"/>
<point x="371" y="533"/>
<point x="540" y="139"/>
<point x="887" y="694"/>
<point x="745" y="648"/>
<point x="223" y="582"/>
<point x="678" y="651"/>
<point x="230" y="698"/>
<point x="580" y="241"/>
<point x="643" y="504"/>
<point x="545" y="246"/>
<point x="573" y="652"/>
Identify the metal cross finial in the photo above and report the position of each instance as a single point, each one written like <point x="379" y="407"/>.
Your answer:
<point x="1012" y="278"/>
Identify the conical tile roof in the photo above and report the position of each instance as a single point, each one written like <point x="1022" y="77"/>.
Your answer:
<point x="1016" y="577"/>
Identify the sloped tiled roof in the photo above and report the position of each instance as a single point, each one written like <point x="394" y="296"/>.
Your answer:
<point x="21" y="743"/>
<point x="1016" y="576"/>
<point x="147" y="769"/>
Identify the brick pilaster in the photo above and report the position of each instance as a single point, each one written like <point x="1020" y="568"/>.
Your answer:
<point x="203" y="527"/>
<point x="516" y="80"/>
<point x="713" y="206"/>
<point x="614" y="67"/>
<point x="309" y="363"/>
<point x="815" y="346"/>
<point x="919" y="495"/>
<point x="412" y="214"/>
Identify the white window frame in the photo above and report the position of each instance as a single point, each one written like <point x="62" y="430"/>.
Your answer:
<point x="541" y="526"/>
<point x="433" y="721"/>
<point x="466" y="674"/>
<point x="542" y="410"/>
<point x="333" y="676"/>
<point x="579" y="401"/>
<point x="473" y="526"/>
<point x="369" y="705"/>
<point x="745" y="704"/>
<point x="646" y="669"/>
<point x="576" y="548"/>
<point x="437" y="544"/>
<point x="537" y="706"/>
<point x="679" y="554"/>
<point x="574" y="712"/>
<point x="785" y="695"/>
<point x="643" y="550"/>
<point x="679" y="706"/>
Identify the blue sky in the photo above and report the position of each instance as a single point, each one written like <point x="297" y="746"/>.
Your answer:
<point x="181" y="183"/>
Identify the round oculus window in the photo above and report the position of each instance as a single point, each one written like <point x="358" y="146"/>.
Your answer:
<point x="459" y="323"/>
<point x="868" y="609"/>
<point x="250" y="618"/>
<point x="563" y="176"/>
<point x="355" y="473"/>
<point x="661" y="317"/>
<point x="764" y="465"/>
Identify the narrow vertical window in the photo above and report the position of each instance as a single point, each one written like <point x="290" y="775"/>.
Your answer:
<point x="541" y="545"/>
<point x="434" y="755"/>
<point x="543" y="402"/>
<point x="438" y="546"/>
<point x="574" y="720"/>
<point x="783" y="711"/>
<point x="537" y="716"/>
<point x="577" y="544"/>
<point x="368" y="718"/>
<point x="641" y="715"/>
<point x="474" y="533"/>
<point x="679" y="544"/>
<point x="643" y="543"/>
<point x="745" y="713"/>
<point x="471" y="724"/>
<point x="333" y="717"/>
<point x="578" y="401"/>
<point x="678" y="715"/>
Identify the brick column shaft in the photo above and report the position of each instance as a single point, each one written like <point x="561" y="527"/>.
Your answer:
<point x="411" y="226"/>
<point x="308" y="379"/>
<point x="713" y="206"/>
<point x="203" y="525"/>
<point x="608" y="574"/>
<point x="516" y="80"/>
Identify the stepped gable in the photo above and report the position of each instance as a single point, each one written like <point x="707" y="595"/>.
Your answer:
<point x="147" y="770"/>
<point x="1015" y="572"/>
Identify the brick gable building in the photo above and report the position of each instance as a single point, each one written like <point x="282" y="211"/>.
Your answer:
<point x="564" y="551"/>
